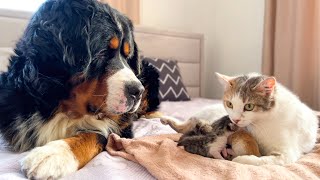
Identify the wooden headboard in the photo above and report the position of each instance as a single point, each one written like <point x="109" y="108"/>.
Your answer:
<point x="186" y="48"/>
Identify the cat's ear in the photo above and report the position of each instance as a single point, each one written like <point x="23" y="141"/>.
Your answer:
<point x="224" y="80"/>
<point x="266" y="87"/>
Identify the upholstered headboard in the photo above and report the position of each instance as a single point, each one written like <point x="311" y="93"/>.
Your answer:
<point x="186" y="48"/>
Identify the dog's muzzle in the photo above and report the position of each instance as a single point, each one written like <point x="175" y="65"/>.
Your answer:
<point x="133" y="92"/>
<point x="124" y="92"/>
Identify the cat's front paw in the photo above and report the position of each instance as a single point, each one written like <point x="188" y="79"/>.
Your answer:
<point x="248" y="159"/>
<point x="52" y="161"/>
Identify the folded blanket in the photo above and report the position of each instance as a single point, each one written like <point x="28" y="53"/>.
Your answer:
<point x="164" y="160"/>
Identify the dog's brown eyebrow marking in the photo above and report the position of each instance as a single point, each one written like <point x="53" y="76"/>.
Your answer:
<point x="126" y="48"/>
<point x="114" y="43"/>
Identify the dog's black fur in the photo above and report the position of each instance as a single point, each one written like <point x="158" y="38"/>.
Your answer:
<point x="149" y="78"/>
<point x="64" y="39"/>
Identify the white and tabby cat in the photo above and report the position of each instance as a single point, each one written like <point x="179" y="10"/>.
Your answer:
<point x="284" y="127"/>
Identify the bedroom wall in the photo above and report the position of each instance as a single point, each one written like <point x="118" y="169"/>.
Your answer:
<point x="11" y="29"/>
<point x="233" y="32"/>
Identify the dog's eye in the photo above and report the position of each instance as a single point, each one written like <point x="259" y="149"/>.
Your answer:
<point x="114" y="43"/>
<point x="126" y="49"/>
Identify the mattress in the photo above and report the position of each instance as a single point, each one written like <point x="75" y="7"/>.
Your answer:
<point x="105" y="166"/>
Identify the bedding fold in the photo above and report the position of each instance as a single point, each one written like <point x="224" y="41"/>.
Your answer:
<point x="164" y="160"/>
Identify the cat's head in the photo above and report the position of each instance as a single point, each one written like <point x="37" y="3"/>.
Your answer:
<point x="247" y="97"/>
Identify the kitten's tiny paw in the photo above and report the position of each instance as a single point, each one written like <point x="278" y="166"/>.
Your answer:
<point x="164" y="121"/>
<point x="224" y="153"/>
<point x="194" y="119"/>
<point x="233" y="127"/>
<point x="206" y="128"/>
<point x="248" y="159"/>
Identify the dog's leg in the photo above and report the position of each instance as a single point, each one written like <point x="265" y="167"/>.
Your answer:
<point x="153" y="114"/>
<point x="61" y="157"/>
<point x="180" y="127"/>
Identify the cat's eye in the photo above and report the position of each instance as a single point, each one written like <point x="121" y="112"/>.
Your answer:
<point x="249" y="107"/>
<point x="229" y="104"/>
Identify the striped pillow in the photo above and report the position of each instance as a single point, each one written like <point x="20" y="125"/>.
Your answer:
<point x="170" y="81"/>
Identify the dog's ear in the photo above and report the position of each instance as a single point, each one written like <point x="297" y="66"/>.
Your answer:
<point x="134" y="61"/>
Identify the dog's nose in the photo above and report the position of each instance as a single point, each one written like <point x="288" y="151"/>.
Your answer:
<point x="134" y="90"/>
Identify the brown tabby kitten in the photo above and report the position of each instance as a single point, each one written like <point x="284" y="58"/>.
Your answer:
<point x="203" y="138"/>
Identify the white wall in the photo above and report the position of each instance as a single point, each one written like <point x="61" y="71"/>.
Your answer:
<point x="233" y="32"/>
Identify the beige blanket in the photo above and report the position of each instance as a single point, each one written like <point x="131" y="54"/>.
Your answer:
<point x="164" y="160"/>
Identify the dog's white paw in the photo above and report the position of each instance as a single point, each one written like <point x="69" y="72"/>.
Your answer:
<point x="248" y="159"/>
<point x="52" y="161"/>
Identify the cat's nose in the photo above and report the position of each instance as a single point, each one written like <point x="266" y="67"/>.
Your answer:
<point x="236" y="121"/>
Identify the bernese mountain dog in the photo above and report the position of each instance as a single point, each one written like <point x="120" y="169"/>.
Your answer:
<point x="75" y="78"/>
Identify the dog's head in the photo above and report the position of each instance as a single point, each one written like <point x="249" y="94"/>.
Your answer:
<point x="88" y="47"/>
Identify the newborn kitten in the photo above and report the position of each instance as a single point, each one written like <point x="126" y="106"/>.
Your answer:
<point x="241" y="143"/>
<point x="284" y="127"/>
<point x="203" y="138"/>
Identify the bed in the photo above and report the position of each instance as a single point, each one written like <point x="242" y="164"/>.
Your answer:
<point x="105" y="166"/>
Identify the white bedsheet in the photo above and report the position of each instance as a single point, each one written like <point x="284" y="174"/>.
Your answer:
<point x="104" y="166"/>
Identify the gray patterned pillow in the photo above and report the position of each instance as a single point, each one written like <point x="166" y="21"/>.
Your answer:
<point x="170" y="81"/>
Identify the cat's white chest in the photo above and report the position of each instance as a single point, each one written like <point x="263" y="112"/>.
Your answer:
<point x="269" y="136"/>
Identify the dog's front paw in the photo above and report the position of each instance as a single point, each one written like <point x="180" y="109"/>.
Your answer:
<point x="248" y="159"/>
<point x="52" y="161"/>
